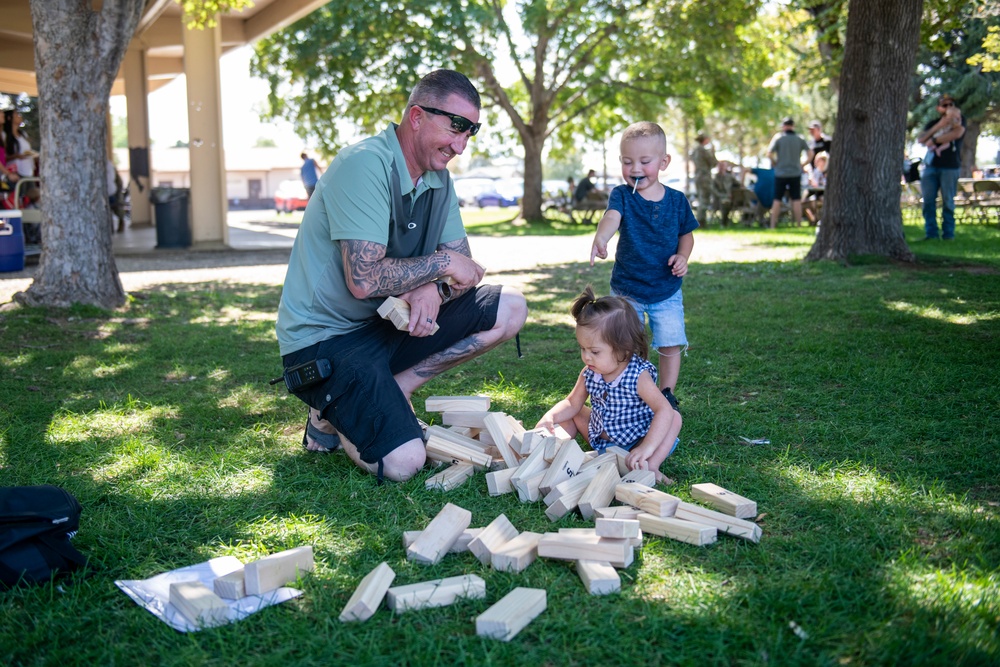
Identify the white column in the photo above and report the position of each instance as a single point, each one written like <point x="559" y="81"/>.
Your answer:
<point x="137" y="109"/>
<point x="202" y="50"/>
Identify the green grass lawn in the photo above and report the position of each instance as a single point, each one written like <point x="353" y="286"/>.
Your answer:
<point x="879" y="493"/>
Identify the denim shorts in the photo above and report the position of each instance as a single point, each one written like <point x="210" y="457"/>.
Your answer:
<point x="666" y="319"/>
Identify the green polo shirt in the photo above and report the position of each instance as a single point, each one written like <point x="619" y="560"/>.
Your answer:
<point x="356" y="198"/>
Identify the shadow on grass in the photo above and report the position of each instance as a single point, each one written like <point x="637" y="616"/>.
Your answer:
<point x="874" y="385"/>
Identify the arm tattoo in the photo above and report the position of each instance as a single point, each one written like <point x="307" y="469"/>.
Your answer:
<point x="461" y="246"/>
<point x="367" y="267"/>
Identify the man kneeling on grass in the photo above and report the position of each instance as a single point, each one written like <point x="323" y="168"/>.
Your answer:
<point x="384" y="221"/>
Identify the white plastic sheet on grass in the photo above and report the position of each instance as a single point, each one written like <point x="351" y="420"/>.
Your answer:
<point x="153" y="594"/>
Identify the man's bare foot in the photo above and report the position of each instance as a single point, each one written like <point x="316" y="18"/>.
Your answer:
<point x="320" y="435"/>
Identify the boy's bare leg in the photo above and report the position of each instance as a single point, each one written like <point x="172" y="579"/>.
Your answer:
<point x="670" y="366"/>
<point x="775" y="212"/>
<point x="512" y="311"/>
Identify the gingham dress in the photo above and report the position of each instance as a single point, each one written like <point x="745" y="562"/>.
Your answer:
<point x="616" y="408"/>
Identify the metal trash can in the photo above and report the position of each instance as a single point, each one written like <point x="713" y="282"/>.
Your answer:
<point x="173" y="228"/>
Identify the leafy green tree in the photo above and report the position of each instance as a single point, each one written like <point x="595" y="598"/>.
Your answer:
<point x="582" y="67"/>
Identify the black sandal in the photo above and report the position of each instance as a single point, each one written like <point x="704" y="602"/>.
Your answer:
<point x="330" y="442"/>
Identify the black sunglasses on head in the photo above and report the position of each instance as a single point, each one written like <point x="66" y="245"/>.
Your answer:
<point x="458" y="123"/>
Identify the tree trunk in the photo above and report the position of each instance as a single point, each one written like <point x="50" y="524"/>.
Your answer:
<point x="77" y="54"/>
<point x="861" y="212"/>
<point x="531" y="203"/>
<point x="970" y="142"/>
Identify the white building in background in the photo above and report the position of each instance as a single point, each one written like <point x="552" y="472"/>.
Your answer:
<point x="252" y="174"/>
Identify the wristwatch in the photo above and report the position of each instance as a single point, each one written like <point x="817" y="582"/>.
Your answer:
<point x="444" y="291"/>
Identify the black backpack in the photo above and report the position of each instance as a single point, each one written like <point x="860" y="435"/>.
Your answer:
<point x="36" y="524"/>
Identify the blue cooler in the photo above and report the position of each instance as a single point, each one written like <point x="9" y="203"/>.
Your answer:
<point x="11" y="241"/>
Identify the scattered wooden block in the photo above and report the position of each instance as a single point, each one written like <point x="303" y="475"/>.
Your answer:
<point x="620" y="454"/>
<point x="501" y="429"/>
<point x="516" y="554"/>
<point x="499" y="532"/>
<point x="198" y="604"/>
<point x="678" y="529"/>
<point x="516" y="433"/>
<point x="461" y="544"/>
<point x="397" y="311"/>
<point x="498" y="481"/>
<point x="601" y="489"/>
<point x="369" y="594"/>
<point x="566" y="496"/>
<point x="552" y="446"/>
<point x="529" y="468"/>
<point x="566" y="463"/>
<point x="511" y="614"/>
<point x="724" y="523"/>
<point x="451" y="477"/>
<point x="276" y="570"/>
<point x="599" y="578"/>
<point x="648" y="500"/>
<point x="450" y="434"/>
<point x="618" y="512"/>
<point x="447" y="451"/>
<point x="644" y="477"/>
<point x="457" y="404"/>
<point x="726" y="502"/>
<point x="436" y="593"/>
<point x="598" y="460"/>
<point x="230" y="586"/>
<point x="485" y="438"/>
<point x="465" y="432"/>
<point x="570" y="546"/>
<point x="528" y="491"/>
<point x="531" y="439"/>
<point x="620" y="529"/>
<point x="470" y="419"/>
<point x="439" y="535"/>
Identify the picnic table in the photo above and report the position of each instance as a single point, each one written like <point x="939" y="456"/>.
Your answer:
<point x="588" y="210"/>
<point x="978" y="199"/>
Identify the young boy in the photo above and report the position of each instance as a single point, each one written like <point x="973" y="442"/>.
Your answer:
<point x="656" y="225"/>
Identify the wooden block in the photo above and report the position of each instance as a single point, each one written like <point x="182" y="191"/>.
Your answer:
<point x="451" y="477"/>
<point x="499" y="532"/>
<point x="531" y="439"/>
<point x="276" y="570"/>
<point x="461" y="545"/>
<point x="457" y="404"/>
<point x="618" y="512"/>
<point x="198" y="604"/>
<point x="726" y="502"/>
<point x="530" y="467"/>
<point x="511" y="614"/>
<point x="621" y="529"/>
<point x="516" y="434"/>
<point x="724" y="523"/>
<point x="436" y="593"/>
<point x="471" y="419"/>
<point x="439" y="535"/>
<point x="230" y="586"/>
<point x="644" y="477"/>
<point x="446" y="451"/>
<point x="620" y="454"/>
<point x="601" y="489"/>
<point x="397" y="311"/>
<point x="599" y="578"/>
<point x="498" y="481"/>
<point x="451" y="435"/>
<point x="552" y="446"/>
<point x="517" y="554"/>
<point x="528" y="491"/>
<point x="502" y="431"/>
<point x="678" y="529"/>
<point x="648" y="500"/>
<point x="566" y="496"/>
<point x="485" y="438"/>
<point x="569" y="546"/>
<point x="465" y="432"/>
<point x="566" y="463"/>
<point x="369" y="594"/>
<point x="600" y="460"/>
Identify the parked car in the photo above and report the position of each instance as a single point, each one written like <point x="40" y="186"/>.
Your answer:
<point x="506" y="192"/>
<point x="467" y="189"/>
<point x="290" y="196"/>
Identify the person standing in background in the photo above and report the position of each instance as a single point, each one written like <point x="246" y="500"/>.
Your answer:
<point x="941" y="172"/>
<point x="703" y="157"/>
<point x="786" y="151"/>
<point x="310" y="172"/>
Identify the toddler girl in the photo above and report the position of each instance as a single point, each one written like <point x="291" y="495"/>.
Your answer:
<point x="626" y="407"/>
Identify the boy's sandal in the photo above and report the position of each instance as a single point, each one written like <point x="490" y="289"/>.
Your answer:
<point x="330" y="442"/>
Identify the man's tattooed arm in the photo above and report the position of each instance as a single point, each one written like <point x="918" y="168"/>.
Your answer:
<point x="461" y="246"/>
<point x="370" y="273"/>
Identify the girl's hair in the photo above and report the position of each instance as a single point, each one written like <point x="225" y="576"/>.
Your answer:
<point x="10" y="141"/>
<point x="615" y="321"/>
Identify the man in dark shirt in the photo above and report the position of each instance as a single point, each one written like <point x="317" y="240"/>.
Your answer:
<point x="941" y="173"/>
<point x="819" y="142"/>
<point x="585" y="186"/>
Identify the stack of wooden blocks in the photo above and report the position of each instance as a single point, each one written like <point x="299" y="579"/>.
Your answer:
<point x="553" y="468"/>
<point x="204" y="606"/>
